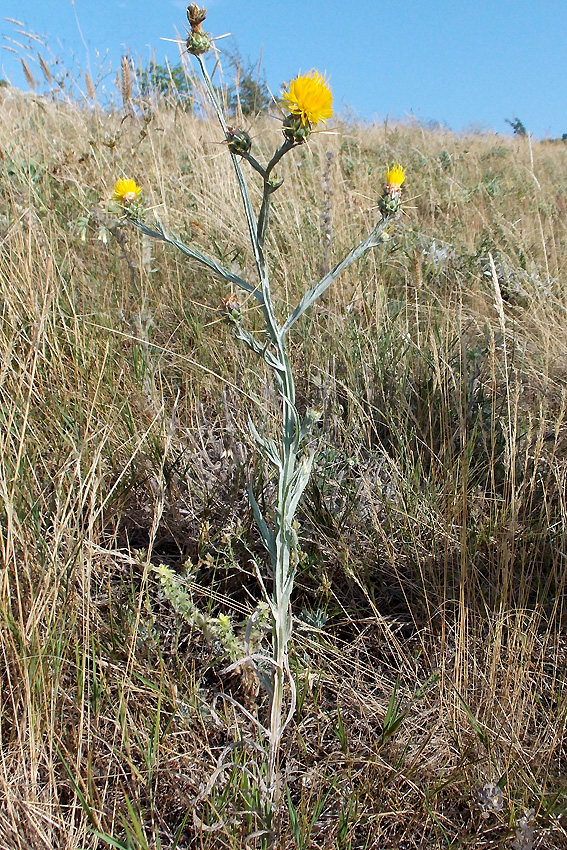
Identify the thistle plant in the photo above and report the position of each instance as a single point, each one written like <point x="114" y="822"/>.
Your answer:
<point x="306" y="102"/>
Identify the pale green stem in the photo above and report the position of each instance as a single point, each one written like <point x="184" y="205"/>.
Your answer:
<point x="269" y="189"/>
<point x="282" y="579"/>
<point x="283" y="569"/>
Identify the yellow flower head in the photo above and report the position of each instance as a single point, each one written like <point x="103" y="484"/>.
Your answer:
<point x="396" y="175"/>
<point x="126" y="191"/>
<point x="310" y="98"/>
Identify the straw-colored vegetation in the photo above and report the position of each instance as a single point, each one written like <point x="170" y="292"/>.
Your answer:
<point x="429" y="648"/>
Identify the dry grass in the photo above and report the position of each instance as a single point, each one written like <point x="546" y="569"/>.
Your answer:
<point x="434" y="533"/>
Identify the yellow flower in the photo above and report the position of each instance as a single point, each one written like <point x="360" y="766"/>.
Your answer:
<point x="396" y="175"/>
<point x="310" y="98"/>
<point x="126" y="191"/>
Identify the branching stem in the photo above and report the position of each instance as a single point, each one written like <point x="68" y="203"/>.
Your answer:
<point x="291" y="458"/>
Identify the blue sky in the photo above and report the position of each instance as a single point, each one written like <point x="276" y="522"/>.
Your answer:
<point x="466" y="62"/>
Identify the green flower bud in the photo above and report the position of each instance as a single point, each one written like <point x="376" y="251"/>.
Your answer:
<point x="391" y="199"/>
<point x="198" y="43"/>
<point x="389" y="204"/>
<point x="239" y="142"/>
<point x="294" y="128"/>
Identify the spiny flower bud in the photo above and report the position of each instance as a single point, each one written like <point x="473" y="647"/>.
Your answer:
<point x="294" y="128"/>
<point x="198" y="43"/>
<point x="239" y="142"/>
